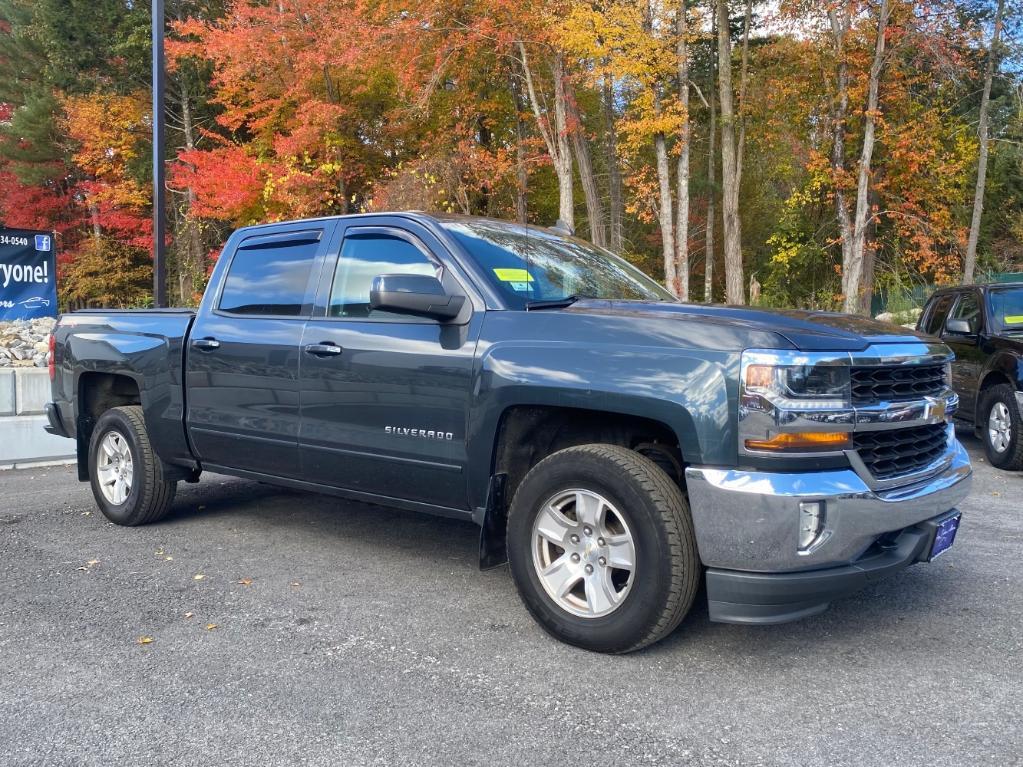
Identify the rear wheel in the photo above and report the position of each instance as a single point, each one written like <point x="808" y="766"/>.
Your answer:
<point x="1001" y="427"/>
<point x="602" y="549"/>
<point x="126" y="476"/>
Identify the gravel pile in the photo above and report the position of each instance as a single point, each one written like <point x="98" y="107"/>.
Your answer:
<point x="24" y="343"/>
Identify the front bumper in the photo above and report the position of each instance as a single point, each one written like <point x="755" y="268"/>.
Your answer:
<point x="749" y="520"/>
<point x="764" y="598"/>
<point x="747" y="523"/>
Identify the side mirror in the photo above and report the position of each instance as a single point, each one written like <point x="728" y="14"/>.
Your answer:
<point x="417" y="294"/>
<point x="959" y="327"/>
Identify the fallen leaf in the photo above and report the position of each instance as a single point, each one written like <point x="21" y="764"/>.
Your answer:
<point x="245" y="581"/>
<point x="189" y="615"/>
<point x="92" y="562"/>
<point x="86" y="513"/>
<point x="144" y="640"/>
<point x="168" y="559"/>
<point x="198" y="577"/>
<point x="211" y="626"/>
<point x="295" y="584"/>
<point x="83" y="568"/>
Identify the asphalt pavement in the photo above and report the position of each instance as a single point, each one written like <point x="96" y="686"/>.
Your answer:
<point x="260" y="626"/>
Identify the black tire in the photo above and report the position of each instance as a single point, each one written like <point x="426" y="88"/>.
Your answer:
<point x="149" y="498"/>
<point x="1011" y="457"/>
<point x="667" y="571"/>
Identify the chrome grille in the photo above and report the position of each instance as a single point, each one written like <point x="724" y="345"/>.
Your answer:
<point x="872" y="385"/>
<point x="891" y="453"/>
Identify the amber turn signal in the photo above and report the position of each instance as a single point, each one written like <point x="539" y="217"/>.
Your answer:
<point x="802" y="440"/>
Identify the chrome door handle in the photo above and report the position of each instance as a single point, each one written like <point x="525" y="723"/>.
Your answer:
<point x="206" y="344"/>
<point x="323" y="350"/>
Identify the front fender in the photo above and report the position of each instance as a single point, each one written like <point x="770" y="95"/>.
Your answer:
<point x="690" y="391"/>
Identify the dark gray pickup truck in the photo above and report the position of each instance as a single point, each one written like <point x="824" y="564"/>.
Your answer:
<point x="615" y="447"/>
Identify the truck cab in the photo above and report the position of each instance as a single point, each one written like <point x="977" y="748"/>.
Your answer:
<point x="983" y="325"/>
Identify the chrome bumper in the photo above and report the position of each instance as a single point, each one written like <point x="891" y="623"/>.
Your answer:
<point x="749" y="520"/>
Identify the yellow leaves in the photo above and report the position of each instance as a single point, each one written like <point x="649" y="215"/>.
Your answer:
<point x="245" y="582"/>
<point x="109" y="133"/>
<point x="189" y="615"/>
<point x="89" y="565"/>
<point x="198" y="577"/>
<point x="144" y="640"/>
<point x="211" y="626"/>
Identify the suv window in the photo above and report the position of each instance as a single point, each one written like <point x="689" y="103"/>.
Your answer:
<point x="968" y="309"/>
<point x="270" y="278"/>
<point x="936" y="316"/>
<point x="364" y="257"/>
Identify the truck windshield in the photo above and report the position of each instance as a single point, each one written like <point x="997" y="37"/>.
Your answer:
<point x="528" y="264"/>
<point x="1007" y="308"/>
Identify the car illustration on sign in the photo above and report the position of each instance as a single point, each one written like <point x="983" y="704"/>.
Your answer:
<point x="36" y="302"/>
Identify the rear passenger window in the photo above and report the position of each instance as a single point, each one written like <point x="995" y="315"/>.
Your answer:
<point x="365" y="257"/>
<point x="270" y="278"/>
<point x="936" y="317"/>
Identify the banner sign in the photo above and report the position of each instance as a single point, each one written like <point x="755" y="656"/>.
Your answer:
<point x="28" y="274"/>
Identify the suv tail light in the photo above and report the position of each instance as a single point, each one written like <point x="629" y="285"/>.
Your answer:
<point x="51" y="363"/>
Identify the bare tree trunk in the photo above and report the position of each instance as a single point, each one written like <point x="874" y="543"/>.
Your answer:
<point x="563" y="162"/>
<point x="583" y="160"/>
<point x="708" y="275"/>
<point x="682" y="171"/>
<point x="840" y="113"/>
<point x="740" y="151"/>
<point x="614" y="171"/>
<point x="665" y="218"/>
<point x="734" y="283"/>
<point x="195" y="258"/>
<point x="869" y="263"/>
<point x="555" y="136"/>
<point x="852" y="273"/>
<point x="970" y="260"/>
<point x="97" y="231"/>
<point x="664" y="212"/>
<point x="521" y="176"/>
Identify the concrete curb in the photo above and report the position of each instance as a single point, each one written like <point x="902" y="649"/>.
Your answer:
<point x="23" y="441"/>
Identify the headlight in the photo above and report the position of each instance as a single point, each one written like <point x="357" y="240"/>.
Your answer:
<point x="793" y="402"/>
<point x="810" y="384"/>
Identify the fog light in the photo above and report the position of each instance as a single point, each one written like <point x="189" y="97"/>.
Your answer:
<point x="811" y="523"/>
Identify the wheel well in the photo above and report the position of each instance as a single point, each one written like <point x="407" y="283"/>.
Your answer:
<point x="994" y="378"/>
<point x="98" y="393"/>
<point x="528" y="434"/>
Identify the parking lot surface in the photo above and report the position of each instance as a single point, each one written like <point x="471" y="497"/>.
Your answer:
<point x="259" y="626"/>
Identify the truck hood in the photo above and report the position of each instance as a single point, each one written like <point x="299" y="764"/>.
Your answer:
<point x="805" y="330"/>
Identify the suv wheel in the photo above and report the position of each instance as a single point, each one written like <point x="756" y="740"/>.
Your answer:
<point x="1001" y="427"/>
<point x="125" y="474"/>
<point x="602" y="550"/>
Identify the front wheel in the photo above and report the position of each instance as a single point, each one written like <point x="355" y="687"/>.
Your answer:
<point x="1001" y="427"/>
<point x="125" y="474"/>
<point x="602" y="549"/>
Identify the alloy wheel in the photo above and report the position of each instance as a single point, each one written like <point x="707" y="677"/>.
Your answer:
<point x="584" y="553"/>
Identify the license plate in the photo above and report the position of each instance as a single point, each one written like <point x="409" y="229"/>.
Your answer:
<point x="945" y="535"/>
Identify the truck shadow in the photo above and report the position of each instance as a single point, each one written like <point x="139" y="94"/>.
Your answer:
<point x="907" y="606"/>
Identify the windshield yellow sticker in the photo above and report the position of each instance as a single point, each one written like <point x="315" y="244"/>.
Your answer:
<point x="513" y="275"/>
<point x="1014" y="319"/>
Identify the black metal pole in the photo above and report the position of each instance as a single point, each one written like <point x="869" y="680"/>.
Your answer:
<point x="159" y="175"/>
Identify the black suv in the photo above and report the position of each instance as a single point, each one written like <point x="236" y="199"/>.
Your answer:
<point x="983" y="324"/>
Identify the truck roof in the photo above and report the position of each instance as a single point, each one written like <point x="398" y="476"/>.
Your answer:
<point x="415" y="215"/>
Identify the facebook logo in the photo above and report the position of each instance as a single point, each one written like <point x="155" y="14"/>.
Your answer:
<point x="43" y="242"/>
